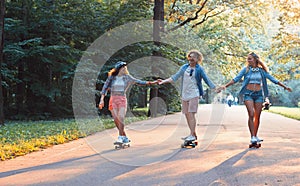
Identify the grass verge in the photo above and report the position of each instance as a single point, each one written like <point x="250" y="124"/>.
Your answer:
<point x="290" y="112"/>
<point x="21" y="138"/>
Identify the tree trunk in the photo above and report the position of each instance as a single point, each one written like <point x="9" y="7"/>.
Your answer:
<point x="157" y="28"/>
<point x="21" y="92"/>
<point x="2" y="13"/>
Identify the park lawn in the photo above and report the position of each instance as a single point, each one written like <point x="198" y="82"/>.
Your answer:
<point x="20" y="138"/>
<point x="290" y="112"/>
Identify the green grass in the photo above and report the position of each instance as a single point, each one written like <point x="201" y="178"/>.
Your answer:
<point x="290" y="112"/>
<point x="21" y="138"/>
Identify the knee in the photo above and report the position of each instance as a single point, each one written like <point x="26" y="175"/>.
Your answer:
<point x="251" y="115"/>
<point x="121" y="118"/>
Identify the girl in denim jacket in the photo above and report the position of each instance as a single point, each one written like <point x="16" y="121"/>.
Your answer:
<point x="191" y="88"/>
<point x="254" y="89"/>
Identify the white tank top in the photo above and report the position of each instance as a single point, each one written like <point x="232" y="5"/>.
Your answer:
<point x="189" y="87"/>
<point x="118" y="85"/>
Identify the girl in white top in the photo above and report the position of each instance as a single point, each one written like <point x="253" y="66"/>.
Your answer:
<point x="191" y="89"/>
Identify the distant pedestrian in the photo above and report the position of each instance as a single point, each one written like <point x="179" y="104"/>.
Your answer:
<point x="236" y="100"/>
<point x="118" y="82"/>
<point x="229" y="100"/>
<point x="254" y="88"/>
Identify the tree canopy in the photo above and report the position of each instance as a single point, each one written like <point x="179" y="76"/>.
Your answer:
<point x="44" y="40"/>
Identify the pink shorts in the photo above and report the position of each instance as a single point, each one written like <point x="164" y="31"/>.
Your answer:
<point x="117" y="102"/>
<point x="190" y="105"/>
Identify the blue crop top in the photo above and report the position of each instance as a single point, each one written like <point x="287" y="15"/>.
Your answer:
<point x="255" y="77"/>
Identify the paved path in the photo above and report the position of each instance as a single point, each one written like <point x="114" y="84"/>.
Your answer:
<point x="155" y="156"/>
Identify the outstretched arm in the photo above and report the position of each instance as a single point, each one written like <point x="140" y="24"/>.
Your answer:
<point x="153" y="82"/>
<point x="169" y="80"/>
<point x="274" y="80"/>
<point x="223" y="87"/>
<point x="229" y="83"/>
<point x="285" y="87"/>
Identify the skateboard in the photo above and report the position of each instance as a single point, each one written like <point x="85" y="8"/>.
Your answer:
<point x="120" y="145"/>
<point x="254" y="145"/>
<point x="189" y="144"/>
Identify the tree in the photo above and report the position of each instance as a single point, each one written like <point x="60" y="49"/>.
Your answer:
<point x="45" y="41"/>
<point x="2" y="13"/>
<point x="285" y="47"/>
<point x="158" y="28"/>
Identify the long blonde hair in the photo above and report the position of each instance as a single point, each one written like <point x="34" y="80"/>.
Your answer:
<point x="259" y="62"/>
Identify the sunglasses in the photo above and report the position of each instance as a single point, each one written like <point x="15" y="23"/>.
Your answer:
<point x="191" y="72"/>
<point x="255" y="69"/>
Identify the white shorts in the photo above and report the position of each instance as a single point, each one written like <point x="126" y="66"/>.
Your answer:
<point x="190" y="106"/>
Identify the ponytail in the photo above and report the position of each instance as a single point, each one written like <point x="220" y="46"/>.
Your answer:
<point x="113" y="72"/>
<point x="263" y="65"/>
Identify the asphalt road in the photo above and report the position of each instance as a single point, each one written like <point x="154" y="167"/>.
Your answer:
<point x="156" y="158"/>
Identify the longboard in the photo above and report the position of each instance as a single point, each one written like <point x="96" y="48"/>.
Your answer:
<point x="120" y="145"/>
<point x="255" y="145"/>
<point x="189" y="144"/>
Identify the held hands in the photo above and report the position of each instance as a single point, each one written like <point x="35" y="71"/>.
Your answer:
<point x="154" y="82"/>
<point x="164" y="81"/>
<point x="161" y="81"/>
<point x="220" y="88"/>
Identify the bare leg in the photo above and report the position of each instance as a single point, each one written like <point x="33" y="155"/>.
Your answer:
<point x="250" y="109"/>
<point x="119" y="117"/>
<point x="191" y="120"/>
<point x="257" y="113"/>
<point x="114" y="113"/>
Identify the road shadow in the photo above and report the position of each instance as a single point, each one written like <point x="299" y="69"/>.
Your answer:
<point x="44" y="166"/>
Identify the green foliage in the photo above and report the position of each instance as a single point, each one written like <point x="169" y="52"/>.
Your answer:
<point x="43" y="44"/>
<point x="281" y="97"/>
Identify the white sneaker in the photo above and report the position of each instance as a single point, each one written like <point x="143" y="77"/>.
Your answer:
<point x="120" y="139"/>
<point x="183" y="138"/>
<point x="259" y="139"/>
<point x="253" y="140"/>
<point x="125" y="139"/>
<point x="190" y="138"/>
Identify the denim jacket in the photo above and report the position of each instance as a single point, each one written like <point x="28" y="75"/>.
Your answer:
<point x="246" y="72"/>
<point x="128" y="79"/>
<point x="199" y="75"/>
